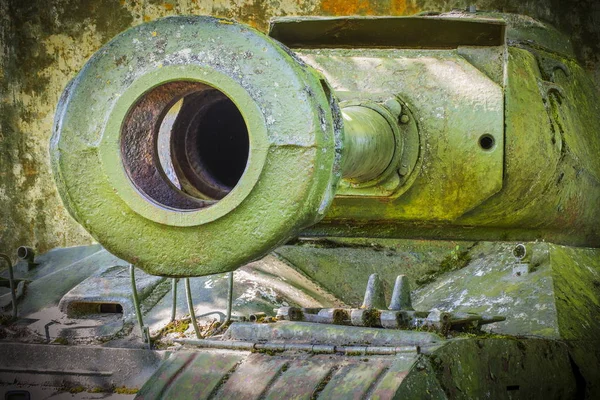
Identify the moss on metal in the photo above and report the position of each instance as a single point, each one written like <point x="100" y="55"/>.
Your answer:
<point x="457" y="259"/>
<point x="488" y="285"/>
<point x="558" y="298"/>
<point x="499" y="368"/>
<point x="576" y="275"/>
<point x="343" y="265"/>
<point x="44" y="43"/>
<point x="551" y="113"/>
<point x="295" y="147"/>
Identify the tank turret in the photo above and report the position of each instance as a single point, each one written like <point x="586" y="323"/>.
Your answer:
<point x="192" y="145"/>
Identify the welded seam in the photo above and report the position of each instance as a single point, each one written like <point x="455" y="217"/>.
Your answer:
<point x="323" y="383"/>
<point x="272" y="381"/>
<point x="223" y="381"/>
<point x="376" y="382"/>
<point x="175" y="376"/>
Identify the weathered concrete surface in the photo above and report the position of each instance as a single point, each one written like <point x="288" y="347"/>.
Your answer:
<point x="44" y="43"/>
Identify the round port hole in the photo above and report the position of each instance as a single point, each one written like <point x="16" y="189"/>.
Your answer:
<point x="487" y="142"/>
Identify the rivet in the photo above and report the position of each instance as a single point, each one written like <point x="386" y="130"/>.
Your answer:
<point x="394" y="106"/>
<point x="404" y="119"/>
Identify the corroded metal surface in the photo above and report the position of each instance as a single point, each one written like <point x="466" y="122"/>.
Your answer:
<point x="264" y="360"/>
<point x="369" y="143"/>
<point x="468" y="368"/>
<point x="306" y="332"/>
<point x="108" y="286"/>
<point x="39" y="364"/>
<point x="253" y="376"/>
<point x="502" y="146"/>
<point x="540" y="193"/>
<point x="373" y="313"/>
<point x="54" y="49"/>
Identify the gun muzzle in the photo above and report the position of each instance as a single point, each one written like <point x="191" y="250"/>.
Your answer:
<point x="192" y="145"/>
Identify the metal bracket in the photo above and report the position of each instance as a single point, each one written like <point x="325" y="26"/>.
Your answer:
<point x="400" y="313"/>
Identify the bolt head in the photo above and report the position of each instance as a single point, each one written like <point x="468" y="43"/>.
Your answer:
<point x="404" y="118"/>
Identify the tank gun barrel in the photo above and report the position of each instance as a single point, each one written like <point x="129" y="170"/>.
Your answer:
<point x="192" y="145"/>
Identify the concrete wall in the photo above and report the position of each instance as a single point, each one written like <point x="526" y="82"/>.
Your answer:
<point x="44" y="43"/>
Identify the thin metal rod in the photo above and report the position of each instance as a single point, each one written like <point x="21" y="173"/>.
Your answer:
<point x="173" y="298"/>
<point x="11" y="281"/>
<point x="136" y="301"/>
<point x="188" y="293"/>
<point x="304" y="347"/>
<point x="229" y="299"/>
<point x="47" y="329"/>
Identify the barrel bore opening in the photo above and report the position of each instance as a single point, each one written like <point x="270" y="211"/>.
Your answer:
<point x="185" y="145"/>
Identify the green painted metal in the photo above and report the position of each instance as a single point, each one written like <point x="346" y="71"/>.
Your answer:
<point x="190" y="304"/>
<point x="136" y="303"/>
<point x="369" y="143"/>
<point x="11" y="282"/>
<point x="499" y="368"/>
<point x="463" y="368"/>
<point x="173" y="299"/>
<point x="184" y="376"/>
<point x="537" y="182"/>
<point x="343" y="265"/>
<point x="307" y="332"/>
<point x="293" y="162"/>
<point x="453" y="104"/>
<point x="464" y="142"/>
<point x="555" y="296"/>
<point x="397" y="177"/>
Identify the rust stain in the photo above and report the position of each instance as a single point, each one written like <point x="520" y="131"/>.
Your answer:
<point x="256" y="24"/>
<point x="403" y="7"/>
<point x="29" y="168"/>
<point x="368" y="7"/>
<point x="348" y="7"/>
<point x="121" y="60"/>
<point x="168" y="6"/>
